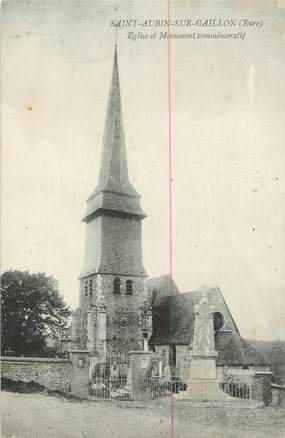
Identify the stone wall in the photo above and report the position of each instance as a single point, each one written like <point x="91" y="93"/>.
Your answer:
<point x="54" y="374"/>
<point x="124" y="331"/>
<point x="123" y="313"/>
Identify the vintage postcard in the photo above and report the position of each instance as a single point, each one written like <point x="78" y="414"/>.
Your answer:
<point x="143" y="218"/>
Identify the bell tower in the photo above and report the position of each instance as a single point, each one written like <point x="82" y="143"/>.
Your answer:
<point x="112" y="283"/>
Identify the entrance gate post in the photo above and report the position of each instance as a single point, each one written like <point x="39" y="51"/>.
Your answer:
<point x="140" y="366"/>
<point x="80" y="373"/>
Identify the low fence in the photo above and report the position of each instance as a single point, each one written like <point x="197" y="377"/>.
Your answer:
<point x="120" y="389"/>
<point x="116" y="377"/>
<point x="236" y="389"/>
<point x="161" y="387"/>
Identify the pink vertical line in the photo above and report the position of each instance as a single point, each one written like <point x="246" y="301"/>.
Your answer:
<point x="172" y="416"/>
<point x="170" y="180"/>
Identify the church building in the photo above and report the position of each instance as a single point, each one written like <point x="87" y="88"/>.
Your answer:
<point x="119" y="309"/>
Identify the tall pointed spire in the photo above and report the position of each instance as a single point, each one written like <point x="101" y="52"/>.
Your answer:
<point x="114" y="169"/>
<point x="113" y="176"/>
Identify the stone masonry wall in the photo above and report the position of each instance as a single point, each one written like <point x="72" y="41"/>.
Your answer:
<point x="54" y="374"/>
<point x="124" y="332"/>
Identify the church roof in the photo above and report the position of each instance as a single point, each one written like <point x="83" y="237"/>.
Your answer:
<point x="173" y="320"/>
<point x="234" y="350"/>
<point x="173" y="323"/>
<point x="114" y="192"/>
<point x="159" y="288"/>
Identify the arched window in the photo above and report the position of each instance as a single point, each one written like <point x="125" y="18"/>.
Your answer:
<point x="219" y="321"/>
<point x="117" y="286"/>
<point x="129" y="287"/>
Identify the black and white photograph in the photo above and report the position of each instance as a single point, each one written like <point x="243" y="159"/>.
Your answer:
<point x="142" y="218"/>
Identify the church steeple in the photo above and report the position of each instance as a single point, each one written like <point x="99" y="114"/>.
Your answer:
<point x="114" y="168"/>
<point x="112" y="282"/>
<point x="114" y="192"/>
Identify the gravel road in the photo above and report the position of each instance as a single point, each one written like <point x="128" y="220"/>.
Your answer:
<point x="43" y="416"/>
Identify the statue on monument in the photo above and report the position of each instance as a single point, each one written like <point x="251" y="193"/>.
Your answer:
<point x="204" y="326"/>
<point x="203" y="337"/>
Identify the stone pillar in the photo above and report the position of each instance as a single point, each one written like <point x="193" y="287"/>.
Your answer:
<point x="160" y="368"/>
<point x="91" y="330"/>
<point x="101" y="332"/>
<point x="76" y="328"/>
<point x="92" y="367"/>
<point x="80" y="373"/>
<point x="145" y="344"/>
<point x="261" y="388"/>
<point x="140" y="365"/>
<point x="146" y="324"/>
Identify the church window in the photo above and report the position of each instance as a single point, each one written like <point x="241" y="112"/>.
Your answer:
<point x="129" y="287"/>
<point x="117" y="286"/>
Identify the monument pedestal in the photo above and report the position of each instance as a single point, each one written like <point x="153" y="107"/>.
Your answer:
<point x="202" y="390"/>
<point x="203" y="383"/>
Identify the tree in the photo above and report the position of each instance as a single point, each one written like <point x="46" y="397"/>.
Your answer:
<point x="32" y="309"/>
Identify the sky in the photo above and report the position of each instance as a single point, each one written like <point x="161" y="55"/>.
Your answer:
<point x="228" y="154"/>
